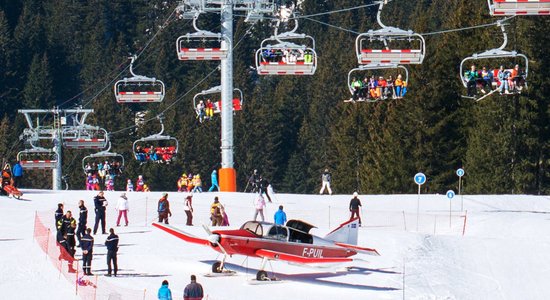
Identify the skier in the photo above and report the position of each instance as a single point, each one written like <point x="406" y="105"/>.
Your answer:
<point x="87" y="245"/>
<point x="214" y="179"/>
<point x="164" y="209"/>
<point x="280" y="216"/>
<point x="193" y="291"/>
<point x="123" y="208"/>
<point x="82" y="220"/>
<point x="112" y="248"/>
<point x="189" y="210"/>
<point x="326" y="179"/>
<point x="100" y="204"/>
<point x="253" y="181"/>
<point x="110" y="183"/>
<point x="129" y="186"/>
<point x="263" y="184"/>
<point x="214" y="211"/>
<point x="89" y="182"/>
<point x="354" y="205"/>
<point x="139" y="183"/>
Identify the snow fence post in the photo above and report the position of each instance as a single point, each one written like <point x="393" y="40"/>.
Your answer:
<point x="76" y="281"/>
<point x="34" y="229"/>
<point x="146" y="200"/>
<point x="464" y="226"/>
<point x="47" y="243"/>
<point x="95" y="289"/>
<point x="144" y="292"/>
<point x="404" y="221"/>
<point x="329" y="217"/>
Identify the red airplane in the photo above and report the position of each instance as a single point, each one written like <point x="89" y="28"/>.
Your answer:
<point x="291" y="243"/>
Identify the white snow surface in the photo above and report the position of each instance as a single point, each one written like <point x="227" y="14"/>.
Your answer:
<point x="504" y="253"/>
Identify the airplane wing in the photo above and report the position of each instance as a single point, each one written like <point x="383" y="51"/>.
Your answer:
<point x="363" y="250"/>
<point x="269" y="254"/>
<point x="182" y="235"/>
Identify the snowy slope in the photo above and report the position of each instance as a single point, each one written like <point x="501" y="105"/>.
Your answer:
<point x="504" y="253"/>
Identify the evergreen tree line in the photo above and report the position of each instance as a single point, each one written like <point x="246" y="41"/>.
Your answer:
<point x="69" y="53"/>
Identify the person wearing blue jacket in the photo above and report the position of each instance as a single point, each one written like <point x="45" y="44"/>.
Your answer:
<point x="164" y="292"/>
<point x="214" y="179"/>
<point x="87" y="245"/>
<point x="280" y="216"/>
<point x="17" y="172"/>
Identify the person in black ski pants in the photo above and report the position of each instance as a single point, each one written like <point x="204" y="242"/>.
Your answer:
<point x="112" y="248"/>
<point x="59" y="213"/>
<point x="100" y="204"/>
<point x="263" y="184"/>
<point x="82" y="221"/>
<point x="87" y="245"/>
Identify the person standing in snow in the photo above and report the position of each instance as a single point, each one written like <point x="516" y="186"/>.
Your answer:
<point x="354" y="205"/>
<point x="82" y="221"/>
<point x="262" y="186"/>
<point x="189" y="210"/>
<point x="259" y="205"/>
<point x="58" y="213"/>
<point x="193" y="291"/>
<point x="112" y="248"/>
<point x="123" y="208"/>
<point x="87" y="246"/>
<point x="280" y="216"/>
<point x="164" y="209"/>
<point x="326" y="179"/>
<point x="17" y="172"/>
<point x="214" y="179"/>
<point x="100" y="204"/>
<point x="164" y="292"/>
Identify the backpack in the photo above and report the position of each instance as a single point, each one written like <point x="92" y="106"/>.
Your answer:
<point x="162" y="206"/>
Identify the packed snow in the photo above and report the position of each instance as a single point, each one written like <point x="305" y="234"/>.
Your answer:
<point x="496" y="247"/>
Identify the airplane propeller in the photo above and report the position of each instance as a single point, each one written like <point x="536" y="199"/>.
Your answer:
<point x="214" y="238"/>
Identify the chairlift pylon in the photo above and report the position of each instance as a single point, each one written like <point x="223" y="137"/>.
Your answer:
<point x="156" y="147"/>
<point x="216" y="105"/>
<point x="139" y="89"/>
<point x="285" y="57"/>
<point x="106" y="154"/>
<point x="212" y="47"/>
<point x="389" y="45"/>
<point x="519" y="7"/>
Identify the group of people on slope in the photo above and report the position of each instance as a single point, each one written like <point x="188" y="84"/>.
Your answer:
<point x="193" y="183"/>
<point x="507" y="81"/>
<point x="11" y="178"/>
<point x="67" y="231"/>
<point x="378" y="88"/>
<point x="193" y="291"/>
<point x="140" y="185"/>
<point x="259" y="184"/>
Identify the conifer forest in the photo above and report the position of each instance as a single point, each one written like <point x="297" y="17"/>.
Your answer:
<point x="69" y="53"/>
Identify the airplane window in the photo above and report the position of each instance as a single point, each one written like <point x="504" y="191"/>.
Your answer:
<point x="253" y="227"/>
<point x="278" y="232"/>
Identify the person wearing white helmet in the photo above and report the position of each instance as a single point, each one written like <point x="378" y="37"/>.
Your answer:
<point x="354" y="205"/>
<point x="326" y="178"/>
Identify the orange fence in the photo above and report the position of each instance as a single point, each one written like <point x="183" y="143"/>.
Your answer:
<point x="87" y="287"/>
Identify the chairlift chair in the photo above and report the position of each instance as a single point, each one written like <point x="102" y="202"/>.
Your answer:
<point x="237" y="101"/>
<point x="85" y="137"/>
<point x="496" y="53"/>
<point x="374" y="67"/>
<point x="286" y="57"/>
<point x="139" y="89"/>
<point x="519" y="7"/>
<point x="37" y="158"/>
<point x="103" y="155"/>
<point x="155" y="141"/>
<point x="389" y="45"/>
<point x="211" y="48"/>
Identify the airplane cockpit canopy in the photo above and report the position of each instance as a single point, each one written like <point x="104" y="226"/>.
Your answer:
<point x="253" y="227"/>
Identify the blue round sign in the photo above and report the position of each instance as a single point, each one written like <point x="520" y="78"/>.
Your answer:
<point x="420" y="178"/>
<point x="450" y="194"/>
<point x="460" y="172"/>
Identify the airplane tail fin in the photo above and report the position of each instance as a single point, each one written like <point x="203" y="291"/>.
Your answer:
<point x="346" y="233"/>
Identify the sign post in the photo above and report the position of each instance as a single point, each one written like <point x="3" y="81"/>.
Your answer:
<point x="419" y="179"/>
<point x="450" y="194"/>
<point x="460" y="173"/>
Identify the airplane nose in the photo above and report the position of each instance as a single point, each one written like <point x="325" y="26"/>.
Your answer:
<point x="214" y="238"/>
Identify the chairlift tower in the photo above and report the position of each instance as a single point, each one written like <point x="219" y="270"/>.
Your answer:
<point x="255" y="9"/>
<point x="56" y="132"/>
